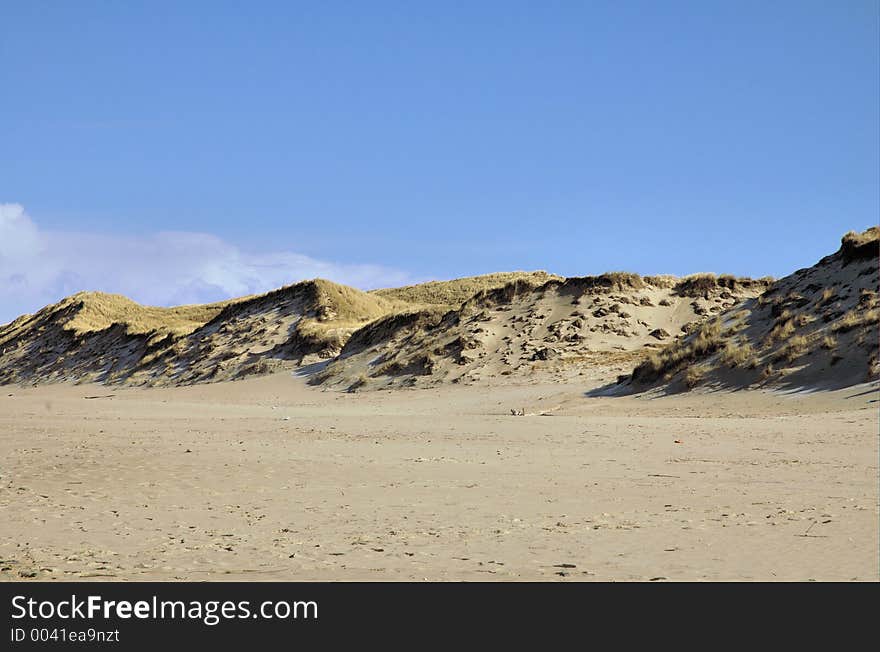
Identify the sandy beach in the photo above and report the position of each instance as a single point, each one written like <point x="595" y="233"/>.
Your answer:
<point x="272" y="479"/>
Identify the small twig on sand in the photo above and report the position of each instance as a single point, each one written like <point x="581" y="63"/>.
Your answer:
<point x="812" y="536"/>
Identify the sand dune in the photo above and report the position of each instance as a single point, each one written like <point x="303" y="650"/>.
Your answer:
<point x="527" y="328"/>
<point x="96" y="337"/>
<point x="817" y="328"/>
<point x="814" y="328"/>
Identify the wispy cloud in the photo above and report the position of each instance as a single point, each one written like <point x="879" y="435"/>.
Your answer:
<point x="38" y="267"/>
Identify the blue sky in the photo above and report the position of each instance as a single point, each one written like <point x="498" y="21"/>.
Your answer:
<point x="218" y="147"/>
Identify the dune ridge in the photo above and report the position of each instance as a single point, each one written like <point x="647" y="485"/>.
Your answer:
<point x="814" y="328"/>
<point x="527" y="327"/>
<point x="106" y="338"/>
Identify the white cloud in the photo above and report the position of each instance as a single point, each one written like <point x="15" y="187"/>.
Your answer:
<point x="39" y="267"/>
<point x="19" y="238"/>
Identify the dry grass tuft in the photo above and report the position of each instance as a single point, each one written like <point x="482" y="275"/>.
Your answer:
<point x="860" y="246"/>
<point x="623" y="280"/>
<point x="856" y="318"/>
<point x="793" y="349"/>
<point x="783" y="329"/>
<point x="694" y="376"/>
<point x="827" y="295"/>
<point x="697" y="285"/>
<point x="738" y="355"/>
<point x="664" y="281"/>
<point x="672" y="359"/>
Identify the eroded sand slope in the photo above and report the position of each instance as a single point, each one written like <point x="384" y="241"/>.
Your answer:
<point x="817" y="328"/>
<point x="526" y="327"/>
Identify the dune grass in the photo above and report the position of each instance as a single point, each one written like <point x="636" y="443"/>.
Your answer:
<point x="697" y="285"/>
<point x="738" y="354"/>
<point x="455" y="292"/>
<point x="794" y="348"/>
<point x="855" y="318"/>
<point x="96" y="311"/>
<point x="694" y="376"/>
<point x="675" y="357"/>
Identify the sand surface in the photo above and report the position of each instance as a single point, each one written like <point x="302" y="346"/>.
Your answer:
<point x="271" y="479"/>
